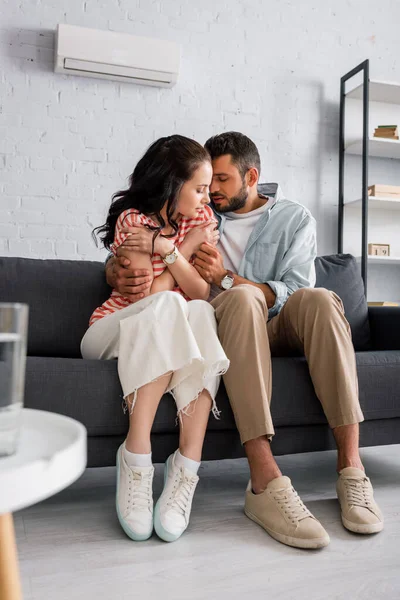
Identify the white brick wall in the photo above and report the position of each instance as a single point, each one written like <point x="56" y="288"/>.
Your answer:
<point x="265" y="67"/>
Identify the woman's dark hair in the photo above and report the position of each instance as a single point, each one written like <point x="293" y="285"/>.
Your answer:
<point x="157" y="179"/>
<point x="243" y="151"/>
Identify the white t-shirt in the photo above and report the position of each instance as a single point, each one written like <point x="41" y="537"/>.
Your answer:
<point x="233" y="242"/>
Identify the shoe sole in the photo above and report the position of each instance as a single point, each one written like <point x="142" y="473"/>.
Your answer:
<point x="364" y="529"/>
<point x="129" y="532"/>
<point x="162" y="533"/>
<point x="312" y="544"/>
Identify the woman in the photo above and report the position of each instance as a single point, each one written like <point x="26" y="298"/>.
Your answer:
<point x="166" y="342"/>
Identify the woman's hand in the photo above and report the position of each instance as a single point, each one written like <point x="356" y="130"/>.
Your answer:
<point x="163" y="245"/>
<point x="140" y="239"/>
<point x="205" y="233"/>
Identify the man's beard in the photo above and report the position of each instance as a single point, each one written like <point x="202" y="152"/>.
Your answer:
<point x="236" y="202"/>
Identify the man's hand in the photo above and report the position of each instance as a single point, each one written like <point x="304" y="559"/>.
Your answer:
<point x="209" y="264"/>
<point x="139" y="238"/>
<point x="206" y="232"/>
<point x="133" y="284"/>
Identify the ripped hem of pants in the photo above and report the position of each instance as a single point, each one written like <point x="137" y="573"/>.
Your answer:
<point x="189" y="409"/>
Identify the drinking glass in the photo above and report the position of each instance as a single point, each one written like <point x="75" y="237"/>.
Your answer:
<point x="13" y="339"/>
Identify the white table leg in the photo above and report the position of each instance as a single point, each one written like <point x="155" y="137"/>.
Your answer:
<point x="10" y="586"/>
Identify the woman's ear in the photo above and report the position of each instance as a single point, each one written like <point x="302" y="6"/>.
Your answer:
<point x="252" y="177"/>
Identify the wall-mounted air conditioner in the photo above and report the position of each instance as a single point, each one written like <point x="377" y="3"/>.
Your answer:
<point x="118" y="56"/>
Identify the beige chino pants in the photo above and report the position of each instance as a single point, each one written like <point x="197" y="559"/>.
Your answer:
<point x="311" y="322"/>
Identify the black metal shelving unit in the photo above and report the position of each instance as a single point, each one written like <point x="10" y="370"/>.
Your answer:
<point x="364" y="68"/>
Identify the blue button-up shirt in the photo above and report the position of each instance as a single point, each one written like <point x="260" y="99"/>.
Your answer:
<point x="281" y="249"/>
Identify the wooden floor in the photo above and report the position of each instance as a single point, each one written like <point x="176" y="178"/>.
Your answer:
<point x="72" y="548"/>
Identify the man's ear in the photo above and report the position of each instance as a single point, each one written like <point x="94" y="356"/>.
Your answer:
<point x="252" y="177"/>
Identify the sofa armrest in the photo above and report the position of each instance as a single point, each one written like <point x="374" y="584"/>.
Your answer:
<point x="384" y="323"/>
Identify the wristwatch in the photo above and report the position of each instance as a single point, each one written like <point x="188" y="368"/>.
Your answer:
<point x="227" y="281"/>
<point x="171" y="257"/>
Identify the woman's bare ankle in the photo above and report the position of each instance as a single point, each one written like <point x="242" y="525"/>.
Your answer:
<point x="190" y="452"/>
<point x="138" y="446"/>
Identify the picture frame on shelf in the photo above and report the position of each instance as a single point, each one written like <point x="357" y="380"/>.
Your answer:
<point x="379" y="249"/>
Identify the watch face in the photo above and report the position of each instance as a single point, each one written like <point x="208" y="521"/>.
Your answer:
<point x="171" y="258"/>
<point x="227" y="282"/>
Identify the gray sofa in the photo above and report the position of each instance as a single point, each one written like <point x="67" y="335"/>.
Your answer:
<point x="62" y="295"/>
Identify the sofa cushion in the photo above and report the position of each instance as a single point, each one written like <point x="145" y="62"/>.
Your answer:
<point x="341" y="274"/>
<point x="89" y="391"/>
<point x="61" y="294"/>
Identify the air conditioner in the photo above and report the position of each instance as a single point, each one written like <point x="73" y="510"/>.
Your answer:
<point x="117" y="56"/>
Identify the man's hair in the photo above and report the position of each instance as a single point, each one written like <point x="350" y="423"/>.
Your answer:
<point x="243" y="151"/>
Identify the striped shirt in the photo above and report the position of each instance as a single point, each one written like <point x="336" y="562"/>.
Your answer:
<point x="132" y="216"/>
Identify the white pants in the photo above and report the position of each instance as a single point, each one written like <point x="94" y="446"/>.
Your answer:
<point x="157" y="335"/>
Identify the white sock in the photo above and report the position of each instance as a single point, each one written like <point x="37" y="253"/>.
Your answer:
<point x="186" y="463"/>
<point x="137" y="460"/>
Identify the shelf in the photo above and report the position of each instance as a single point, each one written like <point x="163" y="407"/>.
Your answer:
<point x="379" y="91"/>
<point x="375" y="202"/>
<point x="382" y="260"/>
<point x="377" y="147"/>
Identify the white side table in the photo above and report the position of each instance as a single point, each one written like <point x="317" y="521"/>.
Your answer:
<point x="51" y="455"/>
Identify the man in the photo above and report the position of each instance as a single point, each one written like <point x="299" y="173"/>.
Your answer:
<point x="262" y="275"/>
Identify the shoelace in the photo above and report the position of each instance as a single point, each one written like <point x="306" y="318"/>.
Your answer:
<point x="139" y="489"/>
<point x="183" y="490"/>
<point x="289" y="500"/>
<point x="359" y="492"/>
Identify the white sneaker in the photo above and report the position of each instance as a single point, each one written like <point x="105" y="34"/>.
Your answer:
<point x="134" y="501"/>
<point x="172" y="511"/>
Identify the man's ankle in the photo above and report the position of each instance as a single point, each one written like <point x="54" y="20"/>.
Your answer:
<point x="260" y="483"/>
<point x="345" y="461"/>
<point x="263" y="467"/>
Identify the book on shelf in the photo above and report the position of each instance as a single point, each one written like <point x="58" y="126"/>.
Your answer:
<point x="384" y="191"/>
<point x="383" y="304"/>
<point x="386" y="137"/>
<point x="387" y="131"/>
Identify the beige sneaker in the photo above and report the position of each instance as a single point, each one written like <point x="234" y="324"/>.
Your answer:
<point x="280" y="511"/>
<point x="360" y="512"/>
